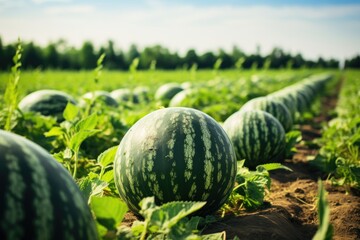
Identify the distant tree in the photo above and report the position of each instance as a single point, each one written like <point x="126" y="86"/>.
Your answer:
<point x="207" y="60"/>
<point x="7" y="55"/>
<point x="353" y="62"/>
<point x="114" y="60"/>
<point x="132" y="54"/>
<point x="32" y="56"/>
<point x="227" y="60"/>
<point x="88" y="57"/>
<point x="191" y="57"/>
<point x="51" y="56"/>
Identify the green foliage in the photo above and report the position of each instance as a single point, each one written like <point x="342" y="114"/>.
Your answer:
<point x="292" y="138"/>
<point x="325" y="229"/>
<point x="72" y="133"/>
<point x="168" y="221"/>
<point x="109" y="213"/>
<point x="99" y="67"/>
<point x="11" y="92"/>
<point x="251" y="186"/>
<point x="339" y="155"/>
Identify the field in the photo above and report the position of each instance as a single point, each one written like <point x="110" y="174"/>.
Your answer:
<point x="280" y="201"/>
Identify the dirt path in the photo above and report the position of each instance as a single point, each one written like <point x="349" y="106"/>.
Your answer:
<point x="291" y="212"/>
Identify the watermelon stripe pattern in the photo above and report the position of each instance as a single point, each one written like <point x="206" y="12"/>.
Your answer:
<point x="300" y="96"/>
<point x="272" y="106"/>
<point x="39" y="198"/>
<point x="257" y="136"/>
<point x="46" y="102"/>
<point x="175" y="154"/>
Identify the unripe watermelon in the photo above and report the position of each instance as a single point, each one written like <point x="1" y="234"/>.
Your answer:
<point x="46" y="102"/>
<point x="167" y="91"/>
<point x="141" y="94"/>
<point x="175" y="154"/>
<point x="287" y="101"/>
<point x="98" y="97"/>
<point x="272" y="106"/>
<point x="121" y="95"/>
<point x="257" y="136"/>
<point x="39" y="199"/>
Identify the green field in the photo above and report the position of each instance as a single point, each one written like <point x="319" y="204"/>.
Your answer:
<point x="85" y="137"/>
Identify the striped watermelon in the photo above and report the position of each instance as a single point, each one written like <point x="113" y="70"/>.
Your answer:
<point x="39" y="199"/>
<point x="141" y="94"/>
<point x="121" y="95"/>
<point x="175" y="154"/>
<point x="98" y="97"/>
<point x="272" y="106"/>
<point x="167" y="91"/>
<point x="257" y="136"/>
<point x="46" y="102"/>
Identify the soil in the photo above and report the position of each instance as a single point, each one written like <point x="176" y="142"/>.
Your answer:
<point x="290" y="211"/>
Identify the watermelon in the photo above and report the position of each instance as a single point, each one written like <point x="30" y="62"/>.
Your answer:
<point x="272" y="106"/>
<point x="121" y="95"/>
<point x="39" y="199"/>
<point x="98" y="97"/>
<point x="257" y="136"/>
<point x="167" y="91"/>
<point x="141" y="94"/>
<point x="175" y="154"/>
<point x="46" y="102"/>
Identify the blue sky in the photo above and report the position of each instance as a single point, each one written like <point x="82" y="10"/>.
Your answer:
<point x="313" y="28"/>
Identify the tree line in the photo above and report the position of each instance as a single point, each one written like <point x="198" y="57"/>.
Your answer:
<point x="59" y="55"/>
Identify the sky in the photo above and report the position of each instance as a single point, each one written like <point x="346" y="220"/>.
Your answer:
<point x="314" y="28"/>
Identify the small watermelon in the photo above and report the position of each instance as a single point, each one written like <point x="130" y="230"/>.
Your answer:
<point x="167" y="91"/>
<point x="98" y="97"/>
<point x="257" y="136"/>
<point x="121" y="95"/>
<point x="46" y="102"/>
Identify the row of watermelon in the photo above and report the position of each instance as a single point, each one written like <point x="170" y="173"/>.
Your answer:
<point x="179" y="153"/>
<point x="172" y="154"/>
<point x="258" y="129"/>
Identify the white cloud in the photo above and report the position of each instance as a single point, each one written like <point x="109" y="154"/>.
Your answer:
<point x="71" y="9"/>
<point x="50" y="1"/>
<point x="325" y="31"/>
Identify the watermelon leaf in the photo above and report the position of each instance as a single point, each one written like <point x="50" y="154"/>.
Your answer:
<point x="107" y="157"/>
<point x="70" y="112"/>
<point x="109" y="211"/>
<point x="292" y="138"/>
<point x="168" y="220"/>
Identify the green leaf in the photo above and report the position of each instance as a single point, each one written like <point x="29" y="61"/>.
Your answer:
<point x="78" y="138"/>
<point x="214" y="236"/>
<point x="54" y="132"/>
<point x="169" y="214"/>
<point x="325" y="229"/>
<point x="109" y="211"/>
<point x="107" y="157"/>
<point x="88" y="123"/>
<point x="70" y="112"/>
<point x="91" y="186"/>
<point x="108" y="176"/>
<point x="274" y="166"/>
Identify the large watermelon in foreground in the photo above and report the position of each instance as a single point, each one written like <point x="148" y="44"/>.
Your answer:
<point x="39" y="199"/>
<point x="257" y="136"/>
<point x="46" y="102"/>
<point x="175" y="154"/>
